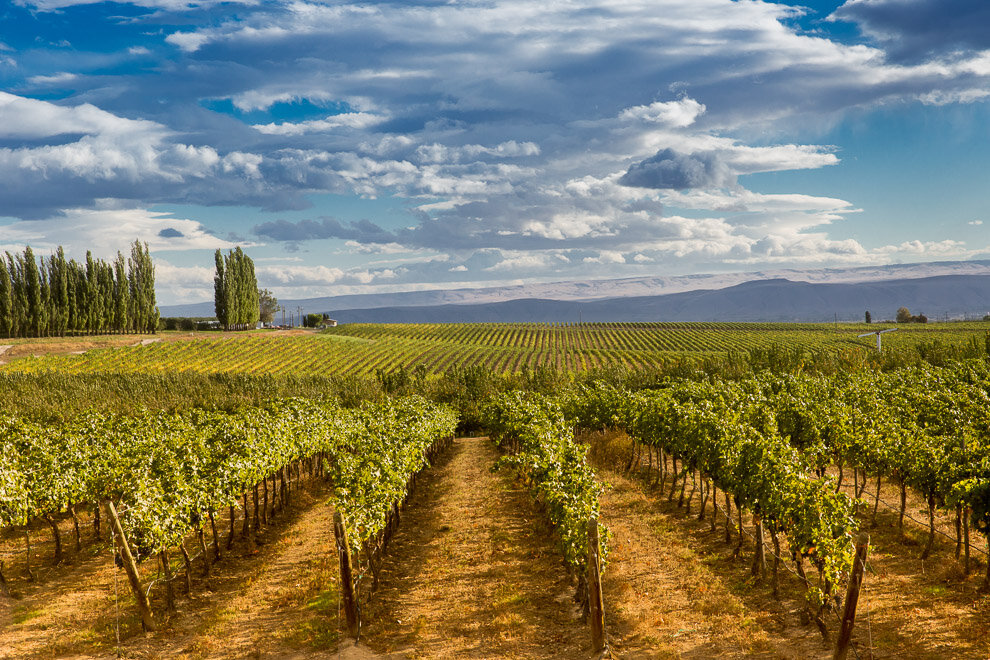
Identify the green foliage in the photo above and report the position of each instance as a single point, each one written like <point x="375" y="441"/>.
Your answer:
<point x="378" y="447"/>
<point x="729" y="432"/>
<point x="540" y="444"/>
<point x="55" y="297"/>
<point x="166" y="469"/>
<point x="267" y="306"/>
<point x="236" y="296"/>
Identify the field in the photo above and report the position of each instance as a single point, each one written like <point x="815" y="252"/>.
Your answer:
<point x="361" y="349"/>
<point x="478" y="566"/>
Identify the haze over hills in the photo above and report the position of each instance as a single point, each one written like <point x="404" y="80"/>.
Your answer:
<point x="956" y="289"/>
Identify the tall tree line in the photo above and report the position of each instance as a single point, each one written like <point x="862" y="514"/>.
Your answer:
<point x="52" y="296"/>
<point x="235" y="291"/>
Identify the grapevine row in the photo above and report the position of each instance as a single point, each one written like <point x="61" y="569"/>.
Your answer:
<point x="168" y="473"/>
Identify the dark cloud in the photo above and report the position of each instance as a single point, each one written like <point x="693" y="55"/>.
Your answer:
<point x="675" y="171"/>
<point x="362" y="231"/>
<point x="170" y="232"/>
<point x="915" y="30"/>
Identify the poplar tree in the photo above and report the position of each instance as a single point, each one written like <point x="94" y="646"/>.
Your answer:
<point x="220" y="290"/>
<point x="6" y="311"/>
<point x="121" y="295"/>
<point x="235" y="290"/>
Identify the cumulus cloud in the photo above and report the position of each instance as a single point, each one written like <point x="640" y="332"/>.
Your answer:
<point x="73" y="156"/>
<point x="669" y="169"/>
<point x="106" y="231"/>
<point x="522" y="137"/>
<point x="677" y="114"/>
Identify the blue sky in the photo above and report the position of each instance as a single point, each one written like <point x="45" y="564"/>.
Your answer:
<point x="382" y="146"/>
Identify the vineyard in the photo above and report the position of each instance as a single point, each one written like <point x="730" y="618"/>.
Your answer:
<point x="361" y="349"/>
<point x="703" y="513"/>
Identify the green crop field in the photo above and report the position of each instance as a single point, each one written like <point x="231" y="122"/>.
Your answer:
<point x="364" y="348"/>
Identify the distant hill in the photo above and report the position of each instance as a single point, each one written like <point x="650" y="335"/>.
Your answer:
<point x="597" y="298"/>
<point x="766" y="300"/>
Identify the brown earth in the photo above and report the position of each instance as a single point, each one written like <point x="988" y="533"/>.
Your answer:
<point x="711" y="606"/>
<point x="277" y="600"/>
<point x="26" y="347"/>
<point x="474" y="571"/>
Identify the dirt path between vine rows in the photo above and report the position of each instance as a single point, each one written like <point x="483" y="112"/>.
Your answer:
<point x="673" y="588"/>
<point x="473" y="571"/>
<point x="278" y="600"/>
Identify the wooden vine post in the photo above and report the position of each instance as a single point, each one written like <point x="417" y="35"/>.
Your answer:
<point x="130" y="567"/>
<point x="852" y="597"/>
<point x="346" y="577"/>
<point x="596" y="617"/>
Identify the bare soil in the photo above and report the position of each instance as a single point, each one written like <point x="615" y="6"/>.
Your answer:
<point x="709" y="604"/>
<point x="26" y="347"/>
<point x="474" y="571"/>
<point x="276" y="600"/>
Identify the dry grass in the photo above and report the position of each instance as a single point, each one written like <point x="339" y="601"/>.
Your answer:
<point x="270" y="601"/>
<point x="473" y="571"/>
<point x="712" y="607"/>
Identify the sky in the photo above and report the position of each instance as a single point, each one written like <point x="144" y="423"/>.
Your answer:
<point x="388" y="146"/>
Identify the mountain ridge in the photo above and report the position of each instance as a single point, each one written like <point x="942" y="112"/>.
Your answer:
<point x="625" y="288"/>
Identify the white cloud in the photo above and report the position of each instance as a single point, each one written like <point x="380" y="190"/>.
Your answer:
<point x="57" y="79"/>
<point x="344" y="120"/>
<point x="106" y="231"/>
<point x="676" y="114"/>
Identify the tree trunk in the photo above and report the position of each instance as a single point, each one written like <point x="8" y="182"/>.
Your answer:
<point x="216" y="536"/>
<point x="204" y="552"/>
<point x="27" y="555"/>
<point x="264" y="500"/>
<point x="876" y="504"/>
<point x="900" y="519"/>
<point x="742" y="537"/>
<point x="285" y="488"/>
<point x="58" y="539"/>
<point x="838" y="482"/>
<point x="169" y="577"/>
<point x="75" y="524"/>
<point x="673" y="482"/>
<point x="246" y="527"/>
<point x="257" y="513"/>
<point x="759" y="566"/>
<point x="96" y="521"/>
<point x="130" y="567"/>
<point x="966" y="515"/>
<point x="230" y="538"/>
<point x="728" y="519"/>
<point x="706" y="487"/>
<point x="274" y="496"/>
<point x="632" y="456"/>
<point x="714" y="490"/>
<point x="662" y="473"/>
<point x="931" y="528"/>
<point x="958" y="530"/>
<point x="776" y="561"/>
<point x="188" y="566"/>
